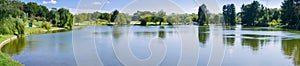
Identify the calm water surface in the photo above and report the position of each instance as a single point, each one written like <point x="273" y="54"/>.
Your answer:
<point x="243" y="46"/>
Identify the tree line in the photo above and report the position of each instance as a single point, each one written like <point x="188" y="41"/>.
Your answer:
<point x="16" y="15"/>
<point x="256" y="14"/>
<point x="149" y="17"/>
<point x="253" y="14"/>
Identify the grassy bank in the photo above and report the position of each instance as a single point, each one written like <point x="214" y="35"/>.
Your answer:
<point x="5" y="37"/>
<point x="5" y="60"/>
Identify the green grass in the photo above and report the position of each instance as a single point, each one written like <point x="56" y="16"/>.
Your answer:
<point x="5" y="60"/>
<point x="33" y="30"/>
<point x="4" y="37"/>
<point x="163" y="23"/>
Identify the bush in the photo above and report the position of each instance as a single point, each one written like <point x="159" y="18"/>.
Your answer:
<point x="46" y="25"/>
<point x="12" y="26"/>
<point x="275" y="23"/>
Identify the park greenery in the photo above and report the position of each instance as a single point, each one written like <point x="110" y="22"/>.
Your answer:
<point x="229" y="14"/>
<point x="254" y="14"/>
<point x="16" y="16"/>
<point x="19" y="18"/>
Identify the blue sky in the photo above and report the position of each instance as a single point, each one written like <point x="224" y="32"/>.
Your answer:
<point x="128" y="6"/>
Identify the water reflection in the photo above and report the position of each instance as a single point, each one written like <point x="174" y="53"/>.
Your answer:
<point x="266" y="47"/>
<point x="15" y="47"/>
<point x="291" y="48"/>
<point x="162" y="33"/>
<point x="230" y="41"/>
<point x="254" y="44"/>
<point x="203" y="35"/>
<point x="117" y="32"/>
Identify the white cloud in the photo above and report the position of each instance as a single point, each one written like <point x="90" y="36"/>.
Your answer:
<point x="82" y="10"/>
<point x="97" y="3"/>
<point x="49" y="2"/>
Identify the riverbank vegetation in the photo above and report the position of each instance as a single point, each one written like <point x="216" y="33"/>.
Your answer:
<point x="143" y="18"/>
<point x="19" y="18"/>
<point x="16" y="16"/>
<point x="257" y="15"/>
<point x="254" y="14"/>
<point x="7" y="61"/>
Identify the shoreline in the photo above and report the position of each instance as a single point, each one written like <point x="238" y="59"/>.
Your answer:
<point x="6" y="59"/>
<point x="7" y="41"/>
<point x="12" y="61"/>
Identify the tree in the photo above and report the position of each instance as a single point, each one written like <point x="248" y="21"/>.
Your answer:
<point x="10" y="8"/>
<point x="290" y="12"/>
<point x="105" y="16"/>
<point x="53" y="16"/>
<point x="42" y="11"/>
<point x="114" y="15"/>
<point x="229" y="14"/>
<point x="31" y="9"/>
<point x="136" y="16"/>
<point x="250" y="13"/>
<point x="66" y="18"/>
<point x="202" y="11"/>
<point x="11" y="17"/>
<point x="161" y="16"/>
<point x="123" y="18"/>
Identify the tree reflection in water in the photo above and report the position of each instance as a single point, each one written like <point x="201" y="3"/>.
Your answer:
<point x="162" y="33"/>
<point x="202" y="35"/>
<point x="291" y="50"/>
<point x="15" y="47"/>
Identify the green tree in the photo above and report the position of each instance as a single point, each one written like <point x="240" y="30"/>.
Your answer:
<point x="123" y="18"/>
<point x="250" y="13"/>
<point x="42" y="12"/>
<point x="53" y="16"/>
<point x="290" y="13"/>
<point x="66" y="18"/>
<point x="105" y="16"/>
<point x="31" y="9"/>
<point x="114" y="15"/>
<point x="229" y="14"/>
<point x="202" y="15"/>
<point x="10" y="8"/>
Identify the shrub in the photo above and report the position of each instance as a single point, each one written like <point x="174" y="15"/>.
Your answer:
<point x="12" y="26"/>
<point x="46" y="25"/>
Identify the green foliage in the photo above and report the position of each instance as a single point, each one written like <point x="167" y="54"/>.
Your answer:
<point x="141" y="14"/>
<point x="12" y="25"/>
<point x="229" y="14"/>
<point x="144" y="21"/>
<point x="114" y="15"/>
<point x="10" y="8"/>
<point x="53" y="16"/>
<point x="123" y="19"/>
<point x="31" y="9"/>
<point x="290" y="14"/>
<point x="250" y="13"/>
<point x="7" y="61"/>
<point x="202" y="15"/>
<point x="255" y="14"/>
<point x="46" y="25"/>
<point x="216" y="19"/>
<point x="275" y="23"/>
<point x="105" y="16"/>
<point x="66" y="19"/>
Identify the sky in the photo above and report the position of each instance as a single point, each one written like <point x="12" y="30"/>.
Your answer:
<point x="131" y="6"/>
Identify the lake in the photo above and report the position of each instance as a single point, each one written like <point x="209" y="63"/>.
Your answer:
<point x="155" y="45"/>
